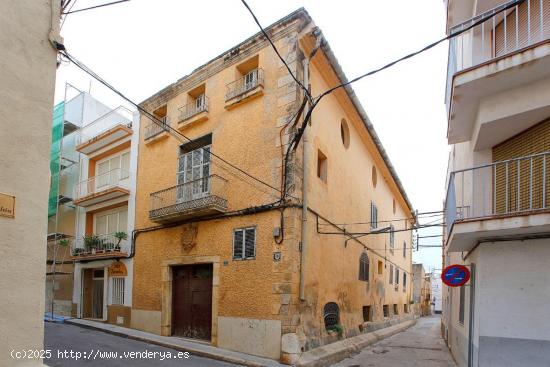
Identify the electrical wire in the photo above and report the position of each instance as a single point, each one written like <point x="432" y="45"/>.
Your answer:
<point x="94" y="7"/>
<point x="306" y="91"/>
<point x="294" y="143"/>
<point x="389" y="220"/>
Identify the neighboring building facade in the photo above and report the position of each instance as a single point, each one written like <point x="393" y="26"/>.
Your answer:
<point x="27" y="78"/>
<point x="91" y="209"/>
<point x="498" y="100"/>
<point x="421" y="290"/>
<point x="218" y="256"/>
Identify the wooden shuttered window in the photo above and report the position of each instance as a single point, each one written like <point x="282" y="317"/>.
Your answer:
<point x="364" y="267"/>
<point x="373" y="216"/>
<point x="244" y="243"/>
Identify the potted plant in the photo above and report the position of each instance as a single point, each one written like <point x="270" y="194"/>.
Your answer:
<point x="336" y="329"/>
<point x="120" y="236"/>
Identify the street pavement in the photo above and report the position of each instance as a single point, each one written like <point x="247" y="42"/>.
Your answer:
<point x="419" y="346"/>
<point x="96" y="348"/>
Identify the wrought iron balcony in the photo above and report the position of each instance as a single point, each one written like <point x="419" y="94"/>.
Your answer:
<point x="99" y="246"/>
<point x="506" y="188"/>
<point x="245" y="84"/>
<point x="193" y="109"/>
<point x="107" y="186"/>
<point x="105" y="130"/>
<point x="523" y="25"/>
<point x="155" y="128"/>
<point x="201" y="197"/>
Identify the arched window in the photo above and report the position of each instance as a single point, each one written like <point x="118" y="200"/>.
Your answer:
<point x="364" y="267"/>
<point x="331" y="315"/>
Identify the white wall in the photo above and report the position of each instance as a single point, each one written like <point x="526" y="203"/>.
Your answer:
<point x="27" y="76"/>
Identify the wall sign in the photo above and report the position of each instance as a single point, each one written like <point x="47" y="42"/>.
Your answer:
<point x="118" y="269"/>
<point x="455" y="275"/>
<point x="7" y="205"/>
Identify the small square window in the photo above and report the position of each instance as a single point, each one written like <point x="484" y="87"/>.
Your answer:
<point x="244" y="243"/>
<point x="322" y="166"/>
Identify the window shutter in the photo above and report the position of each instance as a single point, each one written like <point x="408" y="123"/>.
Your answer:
<point x="238" y="237"/>
<point x="391" y="274"/>
<point x="250" y="243"/>
<point x="396" y="276"/>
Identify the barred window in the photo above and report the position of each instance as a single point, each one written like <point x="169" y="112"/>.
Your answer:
<point x="364" y="267"/>
<point x="392" y="238"/>
<point x="331" y="315"/>
<point x="244" y="243"/>
<point x="373" y="216"/>
<point x="118" y="291"/>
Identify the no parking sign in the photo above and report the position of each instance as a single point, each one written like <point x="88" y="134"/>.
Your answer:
<point x="455" y="275"/>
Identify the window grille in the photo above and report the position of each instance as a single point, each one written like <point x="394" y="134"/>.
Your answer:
<point x="373" y="216"/>
<point x="392" y="238"/>
<point x="244" y="243"/>
<point x="118" y="291"/>
<point x="364" y="267"/>
<point x="331" y="315"/>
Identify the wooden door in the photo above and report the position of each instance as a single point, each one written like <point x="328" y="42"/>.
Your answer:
<point x="192" y="301"/>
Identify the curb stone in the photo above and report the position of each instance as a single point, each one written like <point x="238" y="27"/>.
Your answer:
<point x="335" y="352"/>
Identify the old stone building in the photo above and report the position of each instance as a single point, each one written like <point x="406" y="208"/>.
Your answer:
<point x="220" y="253"/>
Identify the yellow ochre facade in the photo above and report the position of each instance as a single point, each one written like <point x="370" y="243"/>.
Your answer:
<point x="218" y="255"/>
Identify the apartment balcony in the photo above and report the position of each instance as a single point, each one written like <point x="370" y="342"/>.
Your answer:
<point x="108" y="186"/>
<point x="97" y="247"/>
<point x="108" y="130"/>
<point x="503" y="199"/>
<point x="197" y="198"/>
<point x="498" y="77"/>
<point x="194" y="112"/>
<point x="247" y="87"/>
<point x="156" y="131"/>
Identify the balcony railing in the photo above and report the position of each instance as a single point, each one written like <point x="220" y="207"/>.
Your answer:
<point x="245" y="84"/>
<point x="509" y="187"/>
<point x="94" y="185"/>
<point x="522" y="25"/>
<point x="194" y="198"/>
<point x="99" y="245"/>
<point x="155" y="128"/>
<point x="119" y="116"/>
<point x="194" y="108"/>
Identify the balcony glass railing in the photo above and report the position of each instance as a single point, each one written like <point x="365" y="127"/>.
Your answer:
<point x="245" y="84"/>
<point x="524" y="23"/>
<point x="513" y="186"/>
<point x="114" y="178"/>
<point x="118" y="116"/>
<point x="193" y="195"/>
<point x="100" y="244"/>
<point x="194" y="108"/>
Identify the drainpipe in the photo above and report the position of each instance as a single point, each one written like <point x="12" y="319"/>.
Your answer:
<point x="305" y="180"/>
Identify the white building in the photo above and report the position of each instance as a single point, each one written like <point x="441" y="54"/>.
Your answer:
<point x="103" y="197"/>
<point x="498" y="199"/>
<point x="437" y="287"/>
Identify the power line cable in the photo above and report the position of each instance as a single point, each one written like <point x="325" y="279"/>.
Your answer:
<point x="94" y="7"/>
<point x="294" y="143"/>
<point x="306" y="91"/>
